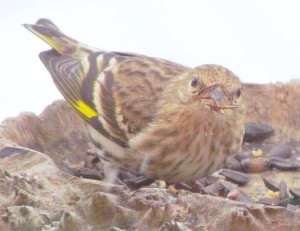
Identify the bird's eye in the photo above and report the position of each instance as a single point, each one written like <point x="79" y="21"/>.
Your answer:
<point x="238" y="93"/>
<point x="194" y="81"/>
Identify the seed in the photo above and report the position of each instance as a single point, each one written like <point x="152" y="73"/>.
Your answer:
<point x="235" y="177"/>
<point x="234" y="164"/>
<point x="254" y="165"/>
<point x="242" y="156"/>
<point x="207" y="180"/>
<point x="211" y="180"/>
<point x="273" y="201"/>
<point x="257" y="153"/>
<point x="161" y="184"/>
<point x="267" y="201"/>
<point x="295" y="201"/>
<point x="88" y="173"/>
<point x="233" y="194"/>
<point x="282" y="164"/>
<point x="281" y="150"/>
<point x="295" y="192"/>
<point x="214" y="189"/>
<point x="270" y="184"/>
<point x="283" y="194"/>
<point x="239" y="195"/>
<point x="257" y="132"/>
<point x="172" y="190"/>
<point x="271" y="194"/>
<point x="282" y="203"/>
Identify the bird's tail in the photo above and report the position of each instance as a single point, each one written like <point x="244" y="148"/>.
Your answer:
<point x="63" y="44"/>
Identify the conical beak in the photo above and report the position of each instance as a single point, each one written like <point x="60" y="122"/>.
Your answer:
<point x="221" y="101"/>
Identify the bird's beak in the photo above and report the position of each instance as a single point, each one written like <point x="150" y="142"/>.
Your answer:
<point x="218" y="100"/>
<point x="221" y="100"/>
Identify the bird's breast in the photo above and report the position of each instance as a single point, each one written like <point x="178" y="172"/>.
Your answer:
<point x="188" y="148"/>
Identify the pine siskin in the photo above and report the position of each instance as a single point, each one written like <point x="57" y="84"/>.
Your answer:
<point x="149" y="115"/>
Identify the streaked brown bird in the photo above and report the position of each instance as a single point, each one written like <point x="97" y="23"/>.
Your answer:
<point x="148" y="115"/>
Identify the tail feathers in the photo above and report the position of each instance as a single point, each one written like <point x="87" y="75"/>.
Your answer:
<point x="46" y="23"/>
<point x="50" y="33"/>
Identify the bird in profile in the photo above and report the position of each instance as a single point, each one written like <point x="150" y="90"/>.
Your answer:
<point x="148" y="115"/>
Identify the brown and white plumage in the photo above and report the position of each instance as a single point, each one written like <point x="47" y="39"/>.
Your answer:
<point x="151" y="115"/>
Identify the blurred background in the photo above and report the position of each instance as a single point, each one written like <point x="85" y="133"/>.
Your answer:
<point x="258" y="40"/>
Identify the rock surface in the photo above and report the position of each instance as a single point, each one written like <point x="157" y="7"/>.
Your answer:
<point x="38" y="191"/>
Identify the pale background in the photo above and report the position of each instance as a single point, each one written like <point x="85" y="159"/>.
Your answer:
<point x="259" y="40"/>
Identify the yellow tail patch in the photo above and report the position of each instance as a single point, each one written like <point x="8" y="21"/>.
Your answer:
<point x="50" y="41"/>
<point x="44" y="33"/>
<point x="85" y="109"/>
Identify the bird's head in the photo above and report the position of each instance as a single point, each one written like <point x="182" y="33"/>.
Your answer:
<point x="210" y="86"/>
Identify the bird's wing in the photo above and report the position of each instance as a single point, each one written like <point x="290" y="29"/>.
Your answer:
<point x="116" y="93"/>
<point x="139" y="83"/>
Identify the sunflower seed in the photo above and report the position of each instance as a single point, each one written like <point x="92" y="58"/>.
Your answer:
<point x="283" y="194"/>
<point x="295" y="201"/>
<point x="273" y="201"/>
<point x="211" y="180"/>
<point x="282" y="203"/>
<point x="214" y="189"/>
<point x="239" y="195"/>
<point x="257" y="132"/>
<point x="281" y="150"/>
<point x="282" y="164"/>
<point x="267" y="201"/>
<point x="242" y="156"/>
<point x="234" y="164"/>
<point x="270" y="184"/>
<point x="235" y="177"/>
<point x="254" y="165"/>
<point x="295" y="192"/>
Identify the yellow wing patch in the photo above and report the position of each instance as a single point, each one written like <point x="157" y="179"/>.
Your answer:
<point x="85" y="109"/>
